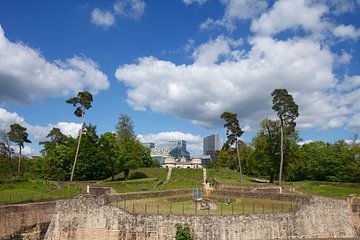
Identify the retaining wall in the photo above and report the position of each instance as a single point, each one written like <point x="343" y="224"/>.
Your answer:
<point x="90" y="218"/>
<point x="20" y="219"/>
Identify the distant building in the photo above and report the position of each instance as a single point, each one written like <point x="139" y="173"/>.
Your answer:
<point x="178" y="150"/>
<point x="171" y="162"/>
<point x="149" y="145"/>
<point x="159" y="154"/>
<point x="211" y="144"/>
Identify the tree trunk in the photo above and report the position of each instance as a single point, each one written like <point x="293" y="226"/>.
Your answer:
<point x="78" y="146"/>
<point x="19" y="158"/>
<point x="281" y="152"/>
<point x="238" y="156"/>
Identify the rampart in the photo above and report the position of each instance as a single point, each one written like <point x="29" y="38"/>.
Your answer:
<point x="88" y="217"/>
<point x="21" y="221"/>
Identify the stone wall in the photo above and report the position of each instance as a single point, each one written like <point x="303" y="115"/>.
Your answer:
<point x="140" y="195"/>
<point x="262" y="188"/>
<point x="19" y="219"/>
<point x="272" y="196"/>
<point x="90" y="218"/>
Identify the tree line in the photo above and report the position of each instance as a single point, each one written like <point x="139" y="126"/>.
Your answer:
<point x="275" y="152"/>
<point x="88" y="157"/>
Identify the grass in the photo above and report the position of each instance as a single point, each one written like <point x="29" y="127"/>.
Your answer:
<point x="35" y="191"/>
<point x="228" y="176"/>
<point x="158" y="173"/>
<point x="186" y="175"/>
<point x="239" y="206"/>
<point x="316" y="188"/>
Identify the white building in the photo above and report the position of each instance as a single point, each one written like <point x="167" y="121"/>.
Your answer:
<point x="170" y="162"/>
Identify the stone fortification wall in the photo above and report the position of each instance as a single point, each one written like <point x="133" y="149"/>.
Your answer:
<point x="90" y="218"/>
<point x="20" y="218"/>
<point x="272" y="196"/>
<point x="262" y="188"/>
<point x="140" y="195"/>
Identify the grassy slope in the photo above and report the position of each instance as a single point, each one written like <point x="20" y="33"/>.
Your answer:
<point x="227" y="176"/>
<point x="34" y="191"/>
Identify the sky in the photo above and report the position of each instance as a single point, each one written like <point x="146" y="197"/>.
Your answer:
<point x="174" y="66"/>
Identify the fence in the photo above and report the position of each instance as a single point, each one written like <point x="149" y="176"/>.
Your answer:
<point x="36" y="197"/>
<point x="222" y="209"/>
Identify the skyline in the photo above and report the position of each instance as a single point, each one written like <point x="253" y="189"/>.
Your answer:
<point x="174" y="67"/>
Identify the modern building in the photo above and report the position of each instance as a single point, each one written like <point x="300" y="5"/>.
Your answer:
<point x="149" y="145"/>
<point x="178" y="150"/>
<point x="211" y="144"/>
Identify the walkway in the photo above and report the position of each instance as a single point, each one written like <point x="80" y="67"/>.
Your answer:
<point x="168" y="175"/>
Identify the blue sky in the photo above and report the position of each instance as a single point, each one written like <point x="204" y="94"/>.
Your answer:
<point x="175" y="66"/>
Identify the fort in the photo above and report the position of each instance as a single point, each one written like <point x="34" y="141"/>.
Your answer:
<point x="92" y="217"/>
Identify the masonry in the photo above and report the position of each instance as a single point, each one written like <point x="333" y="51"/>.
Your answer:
<point x="89" y="217"/>
<point x="32" y="218"/>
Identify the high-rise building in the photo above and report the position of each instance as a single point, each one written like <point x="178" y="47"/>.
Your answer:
<point x="211" y="144"/>
<point x="149" y="145"/>
<point x="178" y="149"/>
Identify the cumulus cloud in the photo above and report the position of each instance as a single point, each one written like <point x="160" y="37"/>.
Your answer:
<point x="201" y="92"/>
<point x="189" y="2"/>
<point x="132" y="9"/>
<point x="161" y="139"/>
<point x="26" y="151"/>
<point x="36" y="132"/>
<point x="236" y="10"/>
<point x="346" y="31"/>
<point x="25" y="75"/>
<point x="291" y="14"/>
<point x="102" y="17"/>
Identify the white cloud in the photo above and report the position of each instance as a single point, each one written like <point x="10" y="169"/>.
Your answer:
<point x="188" y="2"/>
<point x="161" y="139"/>
<point x="132" y="9"/>
<point x="25" y="75"/>
<point x="26" y="151"/>
<point x="301" y="143"/>
<point x="201" y="92"/>
<point x="344" y="58"/>
<point x="346" y="31"/>
<point x="236" y="10"/>
<point x="102" y="18"/>
<point x="291" y="14"/>
<point x="36" y="132"/>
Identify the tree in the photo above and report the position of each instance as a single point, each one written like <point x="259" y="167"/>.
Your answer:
<point x="19" y="136"/>
<point x="125" y="129"/>
<point x="287" y="111"/>
<point x="82" y="103"/>
<point x="5" y="148"/>
<point x="56" y="137"/>
<point x="233" y="132"/>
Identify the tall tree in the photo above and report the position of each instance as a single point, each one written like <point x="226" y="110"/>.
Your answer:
<point x="5" y="148"/>
<point x="19" y="136"/>
<point x="233" y="132"/>
<point x="82" y="103"/>
<point x="125" y="128"/>
<point x="287" y="111"/>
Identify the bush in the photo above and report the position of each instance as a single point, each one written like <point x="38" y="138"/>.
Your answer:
<point x="137" y="175"/>
<point x="182" y="232"/>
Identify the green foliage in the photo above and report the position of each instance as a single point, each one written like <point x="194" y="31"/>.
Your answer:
<point x="233" y="130"/>
<point x="137" y="175"/>
<point x="182" y="232"/>
<point x="285" y="107"/>
<point x="84" y="100"/>
<point x="265" y="159"/>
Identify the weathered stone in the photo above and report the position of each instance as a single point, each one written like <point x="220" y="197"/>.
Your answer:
<point x="90" y="218"/>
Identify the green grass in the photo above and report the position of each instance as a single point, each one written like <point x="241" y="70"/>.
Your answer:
<point x="316" y="188"/>
<point x="239" y="206"/>
<point x="159" y="173"/>
<point x="186" y="175"/>
<point x="228" y="176"/>
<point x="35" y="191"/>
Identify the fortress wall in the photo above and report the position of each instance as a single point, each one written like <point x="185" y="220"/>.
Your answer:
<point x="89" y="218"/>
<point x="15" y="218"/>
